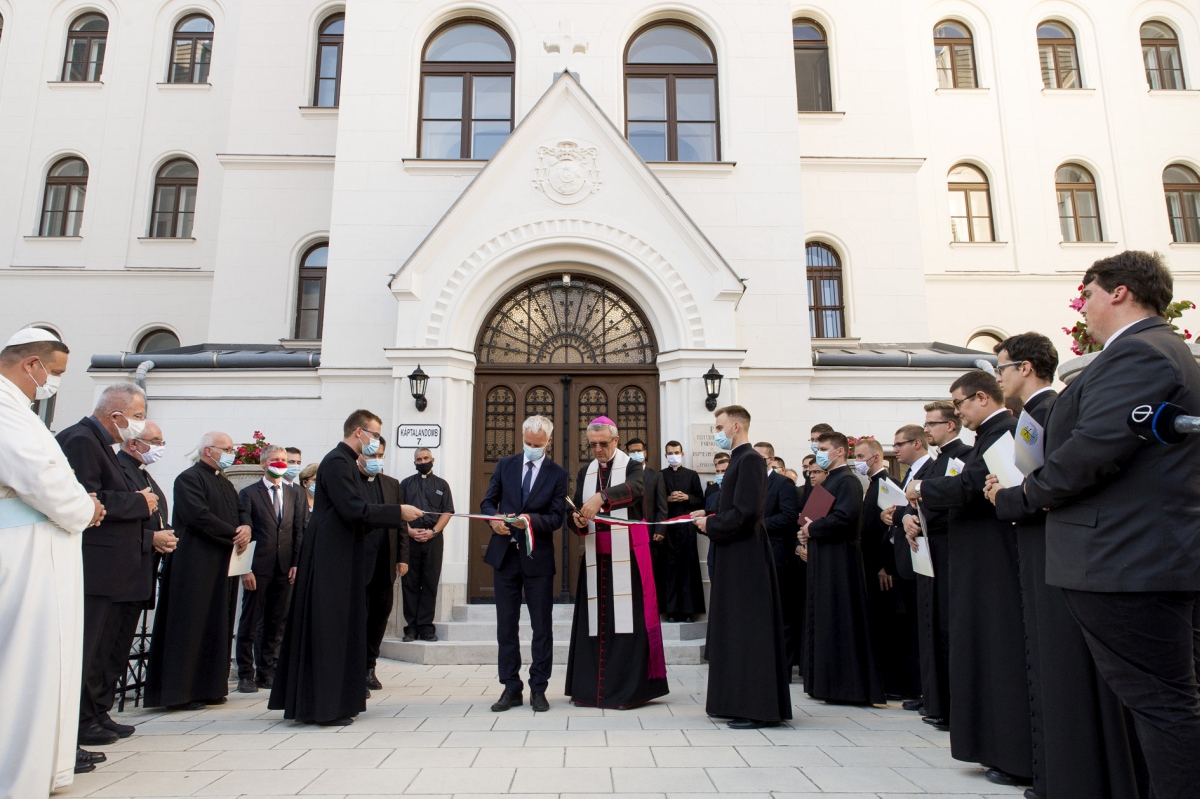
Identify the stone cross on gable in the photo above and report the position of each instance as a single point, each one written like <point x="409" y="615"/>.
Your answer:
<point x="566" y="43"/>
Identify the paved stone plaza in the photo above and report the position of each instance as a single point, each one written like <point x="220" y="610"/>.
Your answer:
<point x="430" y="733"/>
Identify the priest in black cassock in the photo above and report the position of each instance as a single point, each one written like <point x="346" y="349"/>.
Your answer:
<point x="616" y="657"/>
<point x="747" y="665"/>
<point x="839" y="660"/>
<point x="780" y="515"/>
<point x="989" y="694"/>
<point x="188" y="664"/>
<point x="1081" y="746"/>
<point x="323" y="660"/>
<point x="685" y="586"/>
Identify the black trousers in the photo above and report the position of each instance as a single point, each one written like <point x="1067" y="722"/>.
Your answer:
<point x="260" y="629"/>
<point x="1145" y="649"/>
<point x="509" y="583"/>
<point x="421" y="583"/>
<point x="380" y="598"/>
<point x="95" y="654"/>
<point x="120" y="630"/>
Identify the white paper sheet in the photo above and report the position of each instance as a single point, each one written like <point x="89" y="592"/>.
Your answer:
<point x="240" y="564"/>
<point x="1030" y="447"/>
<point x="1001" y="461"/>
<point x="922" y="560"/>
<point x="890" y="495"/>
<point x="954" y="467"/>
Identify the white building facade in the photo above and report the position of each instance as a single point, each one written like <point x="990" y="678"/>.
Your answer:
<point x="574" y="208"/>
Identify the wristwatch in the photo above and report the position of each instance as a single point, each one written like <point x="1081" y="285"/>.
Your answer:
<point x="917" y="488"/>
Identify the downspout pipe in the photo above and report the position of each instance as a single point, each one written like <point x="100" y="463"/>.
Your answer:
<point x="139" y="376"/>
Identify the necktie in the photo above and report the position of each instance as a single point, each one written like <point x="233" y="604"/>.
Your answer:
<point x="527" y="482"/>
<point x="907" y="477"/>
<point x="278" y="502"/>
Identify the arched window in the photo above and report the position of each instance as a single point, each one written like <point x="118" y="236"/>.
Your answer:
<point x="671" y="94"/>
<point x="174" y="200"/>
<point x="327" y="88"/>
<point x="191" y="50"/>
<point x="954" y="52"/>
<point x="984" y="340"/>
<point x="157" y="339"/>
<point x="970" y="205"/>
<point x="826" y="306"/>
<point x="1057" y="55"/>
<point x="1078" y="208"/>
<point x="812" y="66"/>
<point x="466" y="91"/>
<point x="1160" y="52"/>
<point x="84" y="59"/>
<point x="1182" y="188"/>
<point x="62" y="205"/>
<point x="310" y="292"/>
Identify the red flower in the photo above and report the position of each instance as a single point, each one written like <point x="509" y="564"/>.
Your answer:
<point x="257" y="434"/>
<point x="241" y="450"/>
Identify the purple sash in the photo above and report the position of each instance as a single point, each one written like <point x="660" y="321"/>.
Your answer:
<point x="639" y="544"/>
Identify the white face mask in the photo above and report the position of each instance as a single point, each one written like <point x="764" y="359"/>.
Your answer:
<point x="674" y="459"/>
<point x="154" y="454"/>
<point x="136" y="428"/>
<point x="861" y="467"/>
<point x="45" y="391"/>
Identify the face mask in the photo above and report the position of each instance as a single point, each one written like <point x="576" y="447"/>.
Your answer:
<point x="373" y="466"/>
<point x="292" y="473"/>
<point x="719" y="478"/>
<point x="534" y="454"/>
<point x="225" y="461"/>
<point x="277" y="468"/>
<point x="312" y="489"/>
<point x="813" y="446"/>
<point x="371" y="447"/>
<point x="822" y="459"/>
<point x="154" y="454"/>
<point x="674" y="459"/>
<point x="136" y="428"/>
<point x="861" y="467"/>
<point x="424" y="468"/>
<point x="723" y="441"/>
<point x="48" y="389"/>
<point x="637" y="457"/>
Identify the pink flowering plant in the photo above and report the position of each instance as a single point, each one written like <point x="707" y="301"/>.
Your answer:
<point x="1083" y="343"/>
<point x="249" y="452"/>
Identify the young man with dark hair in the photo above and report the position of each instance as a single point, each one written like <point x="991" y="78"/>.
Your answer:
<point x="818" y="430"/>
<point x="989" y="694"/>
<point x="685" y="586"/>
<point x="839" y="660"/>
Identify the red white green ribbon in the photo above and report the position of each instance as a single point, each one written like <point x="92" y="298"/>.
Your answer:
<point x="507" y="519"/>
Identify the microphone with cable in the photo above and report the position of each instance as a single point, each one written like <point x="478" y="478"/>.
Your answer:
<point x="1165" y="423"/>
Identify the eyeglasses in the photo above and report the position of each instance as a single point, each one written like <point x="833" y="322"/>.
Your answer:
<point x="933" y="424"/>
<point x="814" y="472"/>
<point x="958" y="403"/>
<point x="899" y="444"/>
<point x="151" y="442"/>
<point x="375" y="436"/>
<point x="600" y="444"/>
<point x="1000" y="367"/>
<point x="227" y="450"/>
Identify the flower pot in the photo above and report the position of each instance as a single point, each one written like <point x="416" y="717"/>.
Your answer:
<point x="244" y="474"/>
<point x="1069" y="370"/>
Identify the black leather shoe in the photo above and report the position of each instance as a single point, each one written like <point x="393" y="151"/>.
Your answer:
<point x="373" y="681"/>
<point x="1031" y="794"/>
<point x="247" y="686"/>
<point x="84" y="756"/>
<point x="429" y="637"/>
<point x="508" y="699"/>
<point x="344" y="721"/>
<point x="750" y="724"/>
<point x="82" y="766"/>
<point x="195" y="704"/>
<point x="537" y="701"/>
<point x="913" y="704"/>
<point x="95" y="735"/>
<point x="933" y="719"/>
<point x="122" y="730"/>
<point x="265" y="682"/>
<point x="1004" y="778"/>
<point x="408" y="639"/>
<point x="216" y="700"/>
<point x="368" y="690"/>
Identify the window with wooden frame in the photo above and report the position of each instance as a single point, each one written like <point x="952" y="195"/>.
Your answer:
<point x="157" y="340"/>
<point x="466" y="91"/>
<point x="174" y="200"/>
<point x="83" y="61"/>
<point x="811" y="47"/>
<point x="310" y="291"/>
<point x="1160" y="53"/>
<point x="671" y="104"/>
<point x="1058" y="56"/>
<point x="970" y="205"/>
<point x="1182" y="188"/>
<point x="327" y="77"/>
<point x="954" y="54"/>
<point x="826" y="303"/>
<point x="191" y="50"/>
<point x="1078" y="207"/>
<point x="62" y="203"/>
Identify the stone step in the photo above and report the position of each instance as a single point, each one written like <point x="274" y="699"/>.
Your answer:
<point x="444" y="653"/>
<point x="487" y="613"/>
<point x="486" y="630"/>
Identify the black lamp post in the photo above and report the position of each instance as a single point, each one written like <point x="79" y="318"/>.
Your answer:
<point x="712" y="385"/>
<point x="417" y="382"/>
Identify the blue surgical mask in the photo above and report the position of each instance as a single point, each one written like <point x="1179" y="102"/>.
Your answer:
<point x="312" y="489"/>
<point x="814" y="446"/>
<point x="719" y="478"/>
<point x="723" y="441"/>
<point x="373" y="466"/>
<point x="534" y="454"/>
<point x="822" y="459"/>
<point x="225" y="461"/>
<point x="292" y="473"/>
<point x="371" y="447"/>
<point x="637" y="457"/>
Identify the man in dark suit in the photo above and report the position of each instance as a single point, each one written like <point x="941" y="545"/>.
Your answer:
<point x="532" y="485"/>
<point x="112" y="551"/>
<point x="1123" y="528"/>
<point x="277" y="524"/>
<point x="387" y="550"/>
<point x="685" y="586"/>
<point x="781" y="517"/>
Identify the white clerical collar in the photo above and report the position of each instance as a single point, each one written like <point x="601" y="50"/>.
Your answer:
<point x="1113" y="337"/>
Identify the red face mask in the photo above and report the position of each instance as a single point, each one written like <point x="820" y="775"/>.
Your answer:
<point x="277" y="468"/>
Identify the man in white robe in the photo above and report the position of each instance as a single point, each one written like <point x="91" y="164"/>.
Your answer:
<point x="43" y="512"/>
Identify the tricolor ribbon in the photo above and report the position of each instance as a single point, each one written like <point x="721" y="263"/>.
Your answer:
<point x="523" y="517"/>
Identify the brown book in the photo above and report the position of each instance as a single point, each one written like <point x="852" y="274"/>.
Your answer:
<point x="819" y="503"/>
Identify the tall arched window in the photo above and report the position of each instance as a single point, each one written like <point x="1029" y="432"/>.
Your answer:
<point x="84" y="59"/>
<point x="970" y="204"/>
<point x="1160" y="52"/>
<point x="466" y="91"/>
<point x="327" y="86"/>
<point x="157" y="340"/>
<point x="174" y="200"/>
<point x="1078" y="208"/>
<point x="826" y="305"/>
<point x="812" y="66"/>
<point x="191" y="50"/>
<point x="310" y="299"/>
<point x="954" y="52"/>
<point x="1182" y="187"/>
<point x="1058" y="56"/>
<point x="62" y="205"/>
<point x="671" y="94"/>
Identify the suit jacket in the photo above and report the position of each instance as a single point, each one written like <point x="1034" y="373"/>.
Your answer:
<point x="781" y="516"/>
<point x="873" y="533"/>
<point x="277" y="541"/>
<point x="545" y="507"/>
<point x="112" y="552"/>
<point x="1124" y="514"/>
<point x="398" y="539"/>
<point x="901" y="559"/>
<point x="654" y="498"/>
<point x="139" y="477"/>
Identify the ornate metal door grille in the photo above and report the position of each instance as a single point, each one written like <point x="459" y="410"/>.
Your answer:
<point x="593" y="402"/>
<point x="500" y="419"/>
<point x="632" y="414"/>
<point x="539" y="401"/>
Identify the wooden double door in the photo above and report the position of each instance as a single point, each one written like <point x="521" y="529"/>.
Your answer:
<point x="571" y="395"/>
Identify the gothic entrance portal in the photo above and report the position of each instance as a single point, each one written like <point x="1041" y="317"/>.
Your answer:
<point x="570" y="351"/>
